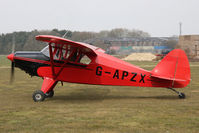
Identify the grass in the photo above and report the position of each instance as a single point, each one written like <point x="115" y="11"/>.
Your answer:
<point x="4" y="62"/>
<point x="77" y="108"/>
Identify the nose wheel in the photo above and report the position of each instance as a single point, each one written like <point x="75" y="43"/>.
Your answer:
<point x="38" y="96"/>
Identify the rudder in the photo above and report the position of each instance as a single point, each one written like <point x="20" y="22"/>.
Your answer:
<point x="174" y="66"/>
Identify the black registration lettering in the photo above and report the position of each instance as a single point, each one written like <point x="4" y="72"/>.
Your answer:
<point x="142" y="78"/>
<point x="133" y="77"/>
<point x="116" y="74"/>
<point x="99" y="71"/>
<point x="124" y="74"/>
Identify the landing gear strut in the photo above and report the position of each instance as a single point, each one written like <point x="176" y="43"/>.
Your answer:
<point x="50" y="94"/>
<point x="180" y="94"/>
<point x="46" y="90"/>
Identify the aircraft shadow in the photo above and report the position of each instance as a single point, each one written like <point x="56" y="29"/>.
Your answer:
<point x="104" y="95"/>
<point x="99" y="98"/>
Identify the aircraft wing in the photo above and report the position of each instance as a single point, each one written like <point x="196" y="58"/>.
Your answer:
<point x="58" y="40"/>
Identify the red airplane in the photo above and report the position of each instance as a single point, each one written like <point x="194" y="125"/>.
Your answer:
<point x="76" y="62"/>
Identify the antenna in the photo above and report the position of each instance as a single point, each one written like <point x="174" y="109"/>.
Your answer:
<point x="65" y="34"/>
<point x="180" y="26"/>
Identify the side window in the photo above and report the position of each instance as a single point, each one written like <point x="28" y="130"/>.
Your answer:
<point x="56" y="56"/>
<point x="85" y="60"/>
<point x="66" y="51"/>
<point x="59" y="53"/>
<point x="77" y="56"/>
<point x="70" y="53"/>
<point x="75" y="53"/>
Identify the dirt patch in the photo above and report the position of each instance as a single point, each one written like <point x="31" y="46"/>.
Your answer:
<point x="140" y="57"/>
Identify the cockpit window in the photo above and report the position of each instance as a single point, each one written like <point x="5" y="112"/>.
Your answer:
<point x="85" y="60"/>
<point x="45" y="51"/>
<point x="67" y="52"/>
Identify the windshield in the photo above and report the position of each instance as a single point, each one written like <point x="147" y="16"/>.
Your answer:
<point x="45" y="51"/>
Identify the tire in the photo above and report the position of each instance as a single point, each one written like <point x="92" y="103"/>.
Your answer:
<point x="38" y="96"/>
<point x="182" y="96"/>
<point x="50" y="94"/>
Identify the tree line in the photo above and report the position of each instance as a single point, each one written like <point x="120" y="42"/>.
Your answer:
<point x="26" y="40"/>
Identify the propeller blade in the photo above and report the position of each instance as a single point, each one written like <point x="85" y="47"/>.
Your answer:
<point x="11" y="57"/>
<point x="12" y="72"/>
<point x="13" y="44"/>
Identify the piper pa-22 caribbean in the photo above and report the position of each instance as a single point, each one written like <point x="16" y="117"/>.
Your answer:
<point x="76" y="62"/>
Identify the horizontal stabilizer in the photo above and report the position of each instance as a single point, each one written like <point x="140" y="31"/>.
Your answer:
<point x="166" y="78"/>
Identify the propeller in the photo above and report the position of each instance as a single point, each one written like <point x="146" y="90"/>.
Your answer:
<point x="12" y="72"/>
<point x="11" y="57"/>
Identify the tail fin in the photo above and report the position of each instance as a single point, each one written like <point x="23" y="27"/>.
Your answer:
<point x="174" y="67"/>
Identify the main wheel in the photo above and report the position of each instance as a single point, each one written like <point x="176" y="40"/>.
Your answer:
<point x="50" y="94"/>
<point x="182" y="95"/>
<point x="38" y="96"/>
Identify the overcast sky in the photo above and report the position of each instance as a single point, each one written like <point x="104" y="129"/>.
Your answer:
<point x="157" y="17"/>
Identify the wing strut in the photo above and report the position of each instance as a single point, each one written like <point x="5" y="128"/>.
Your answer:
<point x="61" y="68"/>
<point x="55" y="75"/>
<point x="51" y="60"/>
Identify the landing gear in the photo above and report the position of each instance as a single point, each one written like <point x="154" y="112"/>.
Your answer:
<point x="180" y="94"/>
<point x="46" y="90"/>
<point x="38" y="96"/>
<point x="50" y="94"/>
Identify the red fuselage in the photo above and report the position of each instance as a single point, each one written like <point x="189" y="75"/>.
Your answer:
<point x="102" y="70"/>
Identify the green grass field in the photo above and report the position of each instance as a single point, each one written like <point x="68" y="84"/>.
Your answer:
<point x="79" y="108"/>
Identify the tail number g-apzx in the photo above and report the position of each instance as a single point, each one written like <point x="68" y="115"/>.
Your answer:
<point x="125" y="74"/>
